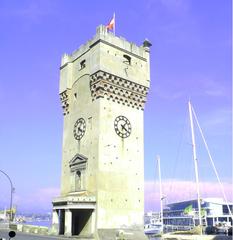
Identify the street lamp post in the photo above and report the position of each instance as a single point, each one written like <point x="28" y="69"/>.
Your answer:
<point x="11" y="196"/>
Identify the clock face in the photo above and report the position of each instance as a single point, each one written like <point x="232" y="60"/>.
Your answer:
<point x="79" y="128"/>
<point x="122" y="126"/>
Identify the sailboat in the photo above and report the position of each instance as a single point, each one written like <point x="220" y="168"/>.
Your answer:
<point x="191" y="114"/>
<point x="158" y="225"/>
<point x="155" y="226"/>
<point x="182" y="216"/>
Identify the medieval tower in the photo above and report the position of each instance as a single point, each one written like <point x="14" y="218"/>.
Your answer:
<point x="103" y="90"/>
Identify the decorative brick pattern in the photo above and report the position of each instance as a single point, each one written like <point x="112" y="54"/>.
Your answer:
<point x="64" y="97"/>
<point x="122" y="91"/>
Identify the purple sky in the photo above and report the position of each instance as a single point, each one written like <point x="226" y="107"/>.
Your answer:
<point x="190" y="58"/>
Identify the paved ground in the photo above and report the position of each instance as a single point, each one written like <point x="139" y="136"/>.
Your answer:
<point x="23" y="236"/>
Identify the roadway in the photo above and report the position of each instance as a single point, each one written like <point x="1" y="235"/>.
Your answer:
<point x="24" y="236"/>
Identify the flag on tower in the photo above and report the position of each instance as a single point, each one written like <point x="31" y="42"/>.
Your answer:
<point x="111" y="24"/>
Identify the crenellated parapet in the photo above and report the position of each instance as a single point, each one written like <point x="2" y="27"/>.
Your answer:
<point x="117" y="89"/>
<point x="106" y="37"/>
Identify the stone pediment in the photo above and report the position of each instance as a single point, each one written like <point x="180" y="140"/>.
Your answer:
<point x="78" y="162"/>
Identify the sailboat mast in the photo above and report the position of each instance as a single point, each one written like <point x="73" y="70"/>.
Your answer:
<point x="212" y="162"/>
<point x="160" y="192"/>
<point x="195" y="162"/>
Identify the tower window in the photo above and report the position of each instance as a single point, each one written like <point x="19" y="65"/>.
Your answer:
<point x="127" y="59"/>
<point x="75" y="96"/>
<point x="82" y="64"/>
<point x="78" y="174"/>
<point x="78" y="181"/>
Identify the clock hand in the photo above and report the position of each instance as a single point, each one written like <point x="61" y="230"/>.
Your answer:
<point x="123" y="127"/>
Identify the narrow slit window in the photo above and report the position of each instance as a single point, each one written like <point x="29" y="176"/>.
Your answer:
<point x="127" y="59"/>
<point x="78" y="181"/>
<point x="82" y="64"/>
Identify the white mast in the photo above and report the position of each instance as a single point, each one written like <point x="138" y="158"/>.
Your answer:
<point x="114" y="27"/>
<point x="195" y="162"/>
<point x="212" y="162"/>
<point x="160" y="192"/>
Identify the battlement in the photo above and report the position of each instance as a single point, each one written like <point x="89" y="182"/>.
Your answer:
<point x="104" y="36"/>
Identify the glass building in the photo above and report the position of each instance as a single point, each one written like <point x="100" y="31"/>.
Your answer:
<point x="214" y="212"/>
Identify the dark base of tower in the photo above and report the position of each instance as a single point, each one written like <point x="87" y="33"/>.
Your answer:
<point x="75" y="216"/>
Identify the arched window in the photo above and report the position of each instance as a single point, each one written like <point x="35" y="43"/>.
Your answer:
<point x="78" y="181"/>
<point x="78" y="173"/>
<point x="127" y="59"/>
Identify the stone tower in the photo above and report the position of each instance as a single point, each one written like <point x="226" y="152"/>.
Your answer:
<point x="103" y="89"/>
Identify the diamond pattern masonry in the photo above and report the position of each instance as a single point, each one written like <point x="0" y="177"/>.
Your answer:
<point x="122" y="91"/>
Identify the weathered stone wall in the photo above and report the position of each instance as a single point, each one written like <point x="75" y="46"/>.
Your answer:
<point x="106" y="78"/>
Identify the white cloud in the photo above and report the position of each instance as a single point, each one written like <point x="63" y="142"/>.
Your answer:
<point x="193" y="86"/>
<point x="217" y="122"/>
<point x="40" y="199"/>
<point x="174" y="190"/>
<point x="178" y="190"/>
<point x="212" y="87"/>
<point x="169" y="95"/>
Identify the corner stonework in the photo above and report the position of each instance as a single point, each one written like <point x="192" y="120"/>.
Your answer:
<point x="64" y="97"/>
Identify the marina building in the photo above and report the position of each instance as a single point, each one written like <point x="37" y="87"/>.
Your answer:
<point x="214" y="212"/>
